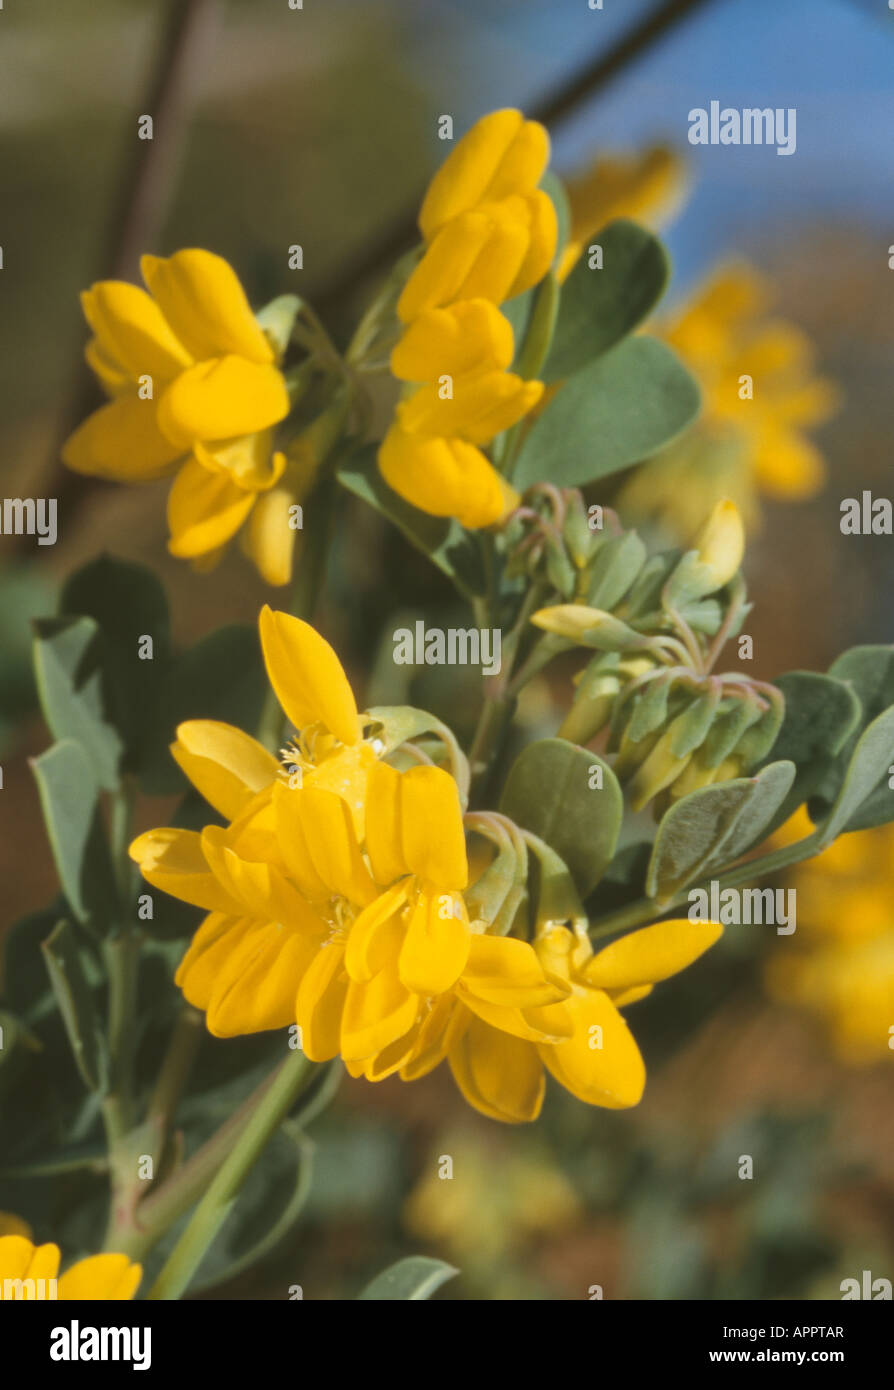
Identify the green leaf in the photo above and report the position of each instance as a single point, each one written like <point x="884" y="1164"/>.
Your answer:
<point x="415" y="1278"/>
<point x="820" y="714"/>
<point x="692" y="833"/>
<point x="128" y="604"/>
<point x="616" y="411"/>
<point x="75" y="999"/>
<point x="868" y="671"/>
<point x="445" y="542"/>
<point x="69" y="798"/>
<point x="75" y="693"/>
<point x="548" y="792"/>
<point x="770" y="787"/>
<point x="865" y="798"/>
<point x="600" y="307"/>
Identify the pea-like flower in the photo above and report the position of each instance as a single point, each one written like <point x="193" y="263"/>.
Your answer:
<point x="196" y="390"/>
<point x="31" y="1272"/>
<point x="498" y="1060"/>
<point x="490" y="233"/>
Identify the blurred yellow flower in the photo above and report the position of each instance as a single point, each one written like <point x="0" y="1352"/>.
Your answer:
<point x="647" y="187"/>
<point x="30" y="1272"/>
<point x="839" y="965"/>
<point x="761" y="395"/>
<point x="196" y="391"/>
<point x="490" y="233"/>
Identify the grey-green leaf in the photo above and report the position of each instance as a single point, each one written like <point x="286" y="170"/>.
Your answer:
<point x="415" y="1278"/>
<point x="616" y="411"/>
<point x="770" y="787"/>
<point x="75" y="693"/>
<point x="69" y="798"/>
<point x="692" y="833"/>
<point x="600" y="307"/>
<point x="551" y="790"/>
<point x="865" y="798"/>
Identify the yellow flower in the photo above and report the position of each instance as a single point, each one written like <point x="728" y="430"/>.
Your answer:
<point x="445" y="477"/>
<point x="721" y="544"/>
<point x="742" y="445"/>
<point x="646" y="187"/>
<point x="490" y="233"/>
<point x="498" y="1061"/>
<point x="839" y="965"/>
<point x="31" y="1272"/>
<point x="196" y="391"/>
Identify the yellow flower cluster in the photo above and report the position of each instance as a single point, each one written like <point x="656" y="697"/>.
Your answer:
<point x="490" y="233"/>
<point x="196" y="391"/>
<point x="336" y="901"/>
<point x="29" y="1270"/>
<point x="744" y="443"/>
<point x="840" y="965"/>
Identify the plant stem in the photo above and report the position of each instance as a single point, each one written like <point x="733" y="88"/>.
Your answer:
<point x="212" y="1211"/>
<point x="122" y="955"/>
<point x="647" y="909"/>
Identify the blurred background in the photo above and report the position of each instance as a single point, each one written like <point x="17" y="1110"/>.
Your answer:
<point x="276" y="126"/>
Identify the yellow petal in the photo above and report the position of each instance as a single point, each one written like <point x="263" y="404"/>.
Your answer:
<point x="502" y="253"/>
<point x="122" y="441"/>
<point x="307" y="676"/>
<point x="431" y="821"/>
<point x="502" y="970"/>
<point x="270" y="538"/>
<point x="173" y="860"/>
<point x="131" y="329"/>
<point x="545" y="1024"/>
<point x="226" y="765"/>
<point x="109" y="1277"/>
<point x="471" y="167"/>
<point x="601" y="1063"/>
<point x="221" y="399"/>
<point x="21" y="1259"/>
<point x="205" y="509"/>
<point x="472" y="336"/>
<point x="331" y="842"/>
<point x="443" y="1022"/>
<point x="292" y="843"/>
<point x="376" y="1014"/>
<point x="384" y="834"/>
<point x="499" y="1075"/>
<point x="439" y="277"/>
<point x="249" y="460"/>
<point x="482" y="406"/>
<point x="543" y="235"/>
<point x="113" y="378"/>
<point x="502" y="154"/>
<point x="644" y="957"/>
<point x="444" y="477"/>
<point x="201" y="298"/>
<point x="255" y="991"/>
<point x="376" y="935"/>
<point x="436" y="945"/>
<point x="320" y="1002"/>
<point x="259" y="885"/>
<point x="721" y="542"/>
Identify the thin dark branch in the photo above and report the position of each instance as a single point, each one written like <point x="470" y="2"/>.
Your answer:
<point x="403" y="232"/>
<point x="145" y="197"/>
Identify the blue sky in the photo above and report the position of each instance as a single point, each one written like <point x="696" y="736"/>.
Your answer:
<point x="833" y="60"/>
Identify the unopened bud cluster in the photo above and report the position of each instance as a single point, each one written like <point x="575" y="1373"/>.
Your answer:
<point x="657" y="626"/>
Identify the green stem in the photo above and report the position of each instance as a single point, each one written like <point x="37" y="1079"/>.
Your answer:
<point x="122" y="957"/>
<point x="212" y="1211"/>
<point x="647" y="909"/>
